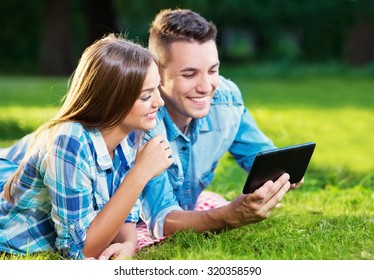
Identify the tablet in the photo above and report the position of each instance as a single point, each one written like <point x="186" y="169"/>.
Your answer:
<point x="271" y="164"/>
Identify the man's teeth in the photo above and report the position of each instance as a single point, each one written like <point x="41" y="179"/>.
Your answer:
<point x="199" y="99"/>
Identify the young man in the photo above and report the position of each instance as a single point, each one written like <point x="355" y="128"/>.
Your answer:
<point x="203" y="118"/>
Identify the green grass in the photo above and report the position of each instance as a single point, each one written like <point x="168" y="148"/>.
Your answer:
<point x="27" y="102"/>
<point x="330" y="217"/>
<point x="335" y="112"/>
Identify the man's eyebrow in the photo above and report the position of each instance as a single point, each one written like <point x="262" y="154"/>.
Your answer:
<point x="215" y="65"/>
<point x="188" y="69"/>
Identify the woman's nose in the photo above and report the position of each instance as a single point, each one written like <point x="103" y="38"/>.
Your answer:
<point x="158" y="102"/>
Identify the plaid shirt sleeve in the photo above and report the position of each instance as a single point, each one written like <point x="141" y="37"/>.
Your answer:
<point x="70" y="183"/>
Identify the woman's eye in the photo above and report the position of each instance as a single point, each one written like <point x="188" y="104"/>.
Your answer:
<point x="145" y="98"/>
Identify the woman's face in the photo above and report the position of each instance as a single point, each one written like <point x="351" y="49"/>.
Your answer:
<point x="143" y="114"/>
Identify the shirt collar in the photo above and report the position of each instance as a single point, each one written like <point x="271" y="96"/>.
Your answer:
<point x="103" y="159"/>
<point x="197" y="125"/>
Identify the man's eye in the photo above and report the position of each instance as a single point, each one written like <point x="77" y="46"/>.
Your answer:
<point x="188" y="75"/>
<point x="213" y="71"/>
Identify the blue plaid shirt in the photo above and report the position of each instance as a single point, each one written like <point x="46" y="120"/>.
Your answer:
<point x="61" y="190"/>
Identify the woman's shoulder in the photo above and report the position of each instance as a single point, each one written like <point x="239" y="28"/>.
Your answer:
<point x="74" y="130"/>
<point x="71" y="136"/>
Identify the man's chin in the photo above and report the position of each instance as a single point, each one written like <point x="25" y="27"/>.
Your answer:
<point x="199" y="115"/>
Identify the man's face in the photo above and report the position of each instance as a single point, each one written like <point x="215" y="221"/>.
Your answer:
<point x="189" y="80"/>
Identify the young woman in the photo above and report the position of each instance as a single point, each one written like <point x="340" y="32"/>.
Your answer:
<point x="76" y="188"/>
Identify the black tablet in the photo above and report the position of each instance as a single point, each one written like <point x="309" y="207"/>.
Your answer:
<point x="271" y="164"/>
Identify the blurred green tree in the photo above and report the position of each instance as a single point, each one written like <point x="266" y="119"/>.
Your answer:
<point x="49" y="36"/>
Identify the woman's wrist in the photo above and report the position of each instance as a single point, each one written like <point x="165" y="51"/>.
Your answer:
<point x="140" y="175"/>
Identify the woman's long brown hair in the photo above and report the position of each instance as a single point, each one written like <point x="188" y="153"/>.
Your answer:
<point x="102" y="90"/>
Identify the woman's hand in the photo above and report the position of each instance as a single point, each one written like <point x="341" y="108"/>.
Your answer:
<point x="154" y="156"/>
<point x="119" y="251"/>
<point x="123" y="245"/>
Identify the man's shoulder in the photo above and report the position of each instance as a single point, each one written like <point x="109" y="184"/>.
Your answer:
<point x="161" y="113"/>
<point x="225" y="84"/>
<point x="227" y="92"/>
<point x="160" y="124"/>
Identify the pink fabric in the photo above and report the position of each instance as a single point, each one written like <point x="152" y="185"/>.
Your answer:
<point x="206" y="201"/>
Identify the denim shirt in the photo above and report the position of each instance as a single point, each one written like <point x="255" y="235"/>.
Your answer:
<point x="228" y="127"/>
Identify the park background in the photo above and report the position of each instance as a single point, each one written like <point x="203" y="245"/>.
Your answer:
<point x="306" y="71"/>
<point x="47" y="37"/>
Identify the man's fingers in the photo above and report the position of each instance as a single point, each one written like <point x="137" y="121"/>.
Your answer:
<point x="269" y="189"/>
<point x="271" y="193"/>
<point x="278" y="184"/>
<point x="274" y="200"/>
<point x="261" y="193"/>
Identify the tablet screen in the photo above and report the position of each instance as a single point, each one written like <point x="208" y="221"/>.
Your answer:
<point x="271" y="164"/>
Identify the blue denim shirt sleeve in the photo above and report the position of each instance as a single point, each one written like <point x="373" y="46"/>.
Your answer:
<point x="157" y="201"/>
<point x="248" y="141"/>
<point x="133" y="217"/>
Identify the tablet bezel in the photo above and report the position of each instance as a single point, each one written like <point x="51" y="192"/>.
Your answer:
<point x="271" y="164"/>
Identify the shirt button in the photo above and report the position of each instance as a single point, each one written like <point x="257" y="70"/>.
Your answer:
<point x="72" y="227"/>
<point x="184" y="148"/>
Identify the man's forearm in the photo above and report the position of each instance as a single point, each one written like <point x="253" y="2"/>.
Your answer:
<point x="243" y="210"/>
<point x="213" y="220"/>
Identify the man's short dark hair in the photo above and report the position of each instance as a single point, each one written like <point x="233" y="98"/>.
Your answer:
<point x="171" y="26"/>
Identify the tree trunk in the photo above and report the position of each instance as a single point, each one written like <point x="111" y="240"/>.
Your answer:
<point x="55" y="46"/>
<point x="359" y="44"/>
<point x="100" y="18"/>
